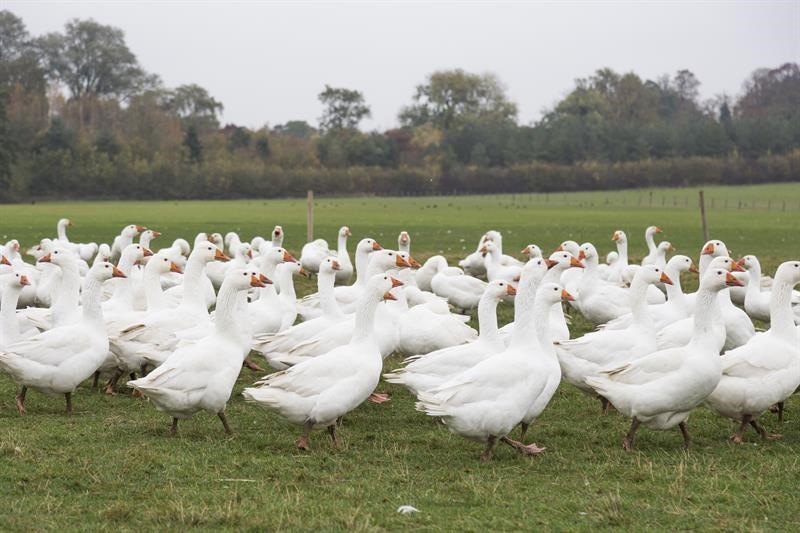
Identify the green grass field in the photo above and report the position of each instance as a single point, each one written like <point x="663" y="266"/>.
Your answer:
<point x="112" y="465"/>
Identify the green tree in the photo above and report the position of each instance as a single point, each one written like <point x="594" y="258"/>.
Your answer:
<point x="344" y="108"/>
<point x="194" y="105"/>
<point x="296" y="128"/>
<point x="92" y="59"/>
<point x="7" y="148"/>
<point x="451" y="97"/>
<point x="192" y="143"/>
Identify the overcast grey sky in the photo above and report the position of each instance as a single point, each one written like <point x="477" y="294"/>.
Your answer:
<point x="267" y="61"/>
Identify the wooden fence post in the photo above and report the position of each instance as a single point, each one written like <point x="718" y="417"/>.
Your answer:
<point x="703" y="216"/>
<point x="310" y="217"/>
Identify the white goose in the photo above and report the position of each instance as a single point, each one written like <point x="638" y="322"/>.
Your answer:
<point x="614" y="272"/>
<point x="652" y="249"/>
<point x="58" y="360"/>
<point x="757" y="302"/>
<point x="266" y="314"/>
<point x="495" y="269"/>
<point x="317" y="392"/>
<point x="83" y="250"/>
<point x="12" y="285"/>
<point x="766" y="370"/>
<point x="662" y="388"/>
<point x="313" y="253"/>
<point x="424" y="372"/>
<point x="276" y="242"/>
<point x="424" y="275"/>
<point x="460" y="290"/>
<point x="599" y="301"/>
<point x="200" y="376"/>
<point x="65" y="308"/>
<point x="124" y="238"/>
<point x="404" y="242"/>
<point x="487" y="401"/>
<point x="588" y="355"/>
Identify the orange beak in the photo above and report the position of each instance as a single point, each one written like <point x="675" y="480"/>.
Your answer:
<point x="670" y="248"/>
<point x="219" y="256"/>
<point x="256" y="282"/>
<point x="731" y="281"/>
<point x="388" y="296"/>
<point x="615" y="237"/>
<point x="581" y="255"/>
<point x="4" y="261"/>
<point x="694" y="269"/>
<point x="413" y="262"/>
<point x="23" y="280"/>
<point x="264" y="279"/>
<point x="69" y="223"/>
<point x="510" y="290"/>
<point x="348" y="232"/>
<point x="560" y="248"/>
<point x="376" y="246"/>
<point x="659" y="230"/>
<point x="525" y="251"/>
<point x="736" y="267"/>
<point x="148" y="252"/>
<point x="250" y="254"/>
<point x="156" y="233"/>
<point x="117" y="273"/>
<point x="140" y="228"/>
<point x="709" y="249"/>
<point x="396" y="283"/>
<point x="665" y="279"/>
<point x="575" y="263"/>
<point x="304" y="272"/>
<point x="565" y="296"/>
<point x="550" y="263"/>
<point x="399" y="261"/>
<point x="45" y="259"/>
<point x="335" y="265"/>
<point x="175" y="268"/>
<point x="288" y="257"/>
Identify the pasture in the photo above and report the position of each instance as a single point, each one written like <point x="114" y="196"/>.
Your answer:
<point x="111" y="464"/>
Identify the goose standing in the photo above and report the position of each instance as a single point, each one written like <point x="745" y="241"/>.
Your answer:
<point x="766" y="370"/>
<point x="652" y="249"/>
<point x="313" y="253"/>
<point x="495" y="269"/>
<point x="9" y="325"/>
<point x="487" y="401"/>
<point x="200" y="376"/>
<point x="317" y="392"/>
<point x="662" y="388"/>
<point x="124" y="238"/>
<point x="58" y="360"/>
<point x="758" y="302"/>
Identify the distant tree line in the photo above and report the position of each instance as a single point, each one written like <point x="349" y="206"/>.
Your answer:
<point x="80" y="117"/>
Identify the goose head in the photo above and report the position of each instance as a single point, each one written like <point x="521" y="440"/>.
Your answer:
<point x="103" y="270"/>
<point x="553" y="293"/>
<point x="132" y="230"/>
<point x="619" y="237"/>
<point x="244" y="252"/>
<point x="242" y="279"/>
<point x="256" y="243"/>
<point x="665" y="246"/>
<point x="181" y="246"/>
<point x="103" y="253"/>
<point x="345" y="232"/>
<point x="273" y="257"/>
<point x="569" y="246"/>
<point x="651" y="275"/>
<point x="64" y="222"/>
<point x="714" y="249"/>
<point x="588" y="254"/>
<point x="490" y="248"/>
<point x="15" y="281"/>
<point x="163" y="263"/>
<point x="531" y="251"/>
<point x="231" y="238"/>
<point x="749" y="263"/>
<point x="652" y="230"/>
<point x="216" y="238"/>
<point x="200" y="238"/>
<point x="207" y="252"/>
<point x="716" y="279"/>
<point x="499" y="289"/>
<point x="533" y="272"/>
<point x="134" y="253"/>
<point x="329" y="265"/>
<point x="381" y="285"/>
<point x="383" y="260"/>
<point x="561" y="261"/>
<point x="60" y="257"/>
<point x="277" y="236"/>
<point x="680" y="264"/>
<point x="293" y="267"/>
<point x="148" y="235"/>
<point x="367" y="246"/>
<point x="725" y="263"/>
<point x="789" y="271"/>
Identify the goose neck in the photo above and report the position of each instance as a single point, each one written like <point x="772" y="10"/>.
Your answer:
<point x="622" y="251"/>
<point x="9" y="326"/>
<point x="327" y="297"/>
<point x="364" y="327"/>
<point x="487" y="318"/>
<point x="153" y="293"/>
<point x="638" y="299"/>
<point x="781" y="317"/>
<point x="651" y="243"/>
<point x="226" y="322"/>
<point x="90" y="300"/>
<point x="193" y="290"/>
<point x="68" y="292"/>
<point x="706" y="314"/>
<point x="675" y="292"/>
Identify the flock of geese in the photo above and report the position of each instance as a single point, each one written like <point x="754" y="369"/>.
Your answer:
<point x="107" y="311"/>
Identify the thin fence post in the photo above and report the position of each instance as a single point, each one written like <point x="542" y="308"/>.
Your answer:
<point x="310" y="216"/>
<point x="703" y="215"/>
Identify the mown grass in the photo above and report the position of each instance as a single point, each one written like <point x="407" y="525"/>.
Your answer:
<point x="111" y="464"/>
